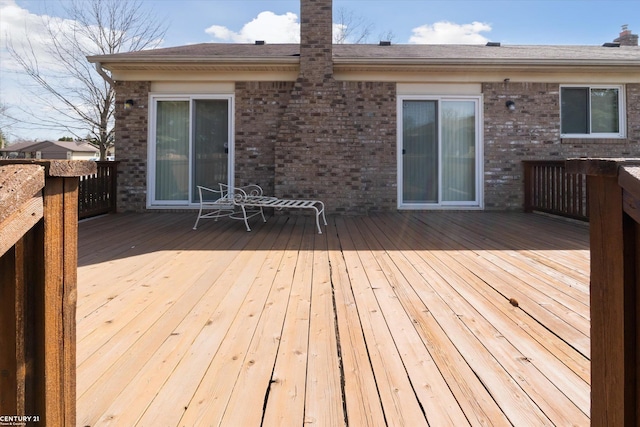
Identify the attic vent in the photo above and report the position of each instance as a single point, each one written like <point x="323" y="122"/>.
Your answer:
<point x="259" y="42"/>
<point x="614" y="44"/>
<point x="493" y="44"/>
<point x="385" y="43"/>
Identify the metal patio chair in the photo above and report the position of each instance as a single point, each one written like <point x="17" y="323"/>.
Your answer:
<point x="213" y="204"/>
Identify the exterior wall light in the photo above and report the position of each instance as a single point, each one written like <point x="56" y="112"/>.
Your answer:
<point x="511" y="105"/>
<point x="128" y="104"/>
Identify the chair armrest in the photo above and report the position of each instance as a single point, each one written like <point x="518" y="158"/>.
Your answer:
<point x="252" y="190"/>
<point x="240" y="194"/>
<point x="213" y="194"/>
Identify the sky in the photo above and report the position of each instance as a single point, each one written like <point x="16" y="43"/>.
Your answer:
<point x="557" y="22"/>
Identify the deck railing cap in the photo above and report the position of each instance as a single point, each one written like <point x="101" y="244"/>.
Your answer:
<point x="599" y="166"/>
<point x="18" y="184"/>
<point x="58" y="168"/>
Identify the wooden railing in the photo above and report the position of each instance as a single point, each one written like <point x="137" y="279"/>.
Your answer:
<point x="97" y="192"/>
<point x="548" y="188"/>
<point x="614" y="195"/>
<point x="38" y="280"/>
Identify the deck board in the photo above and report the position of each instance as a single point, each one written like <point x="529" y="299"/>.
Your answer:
<point x="286" y="390"/>
<point x="393" y="384"/>
<point x="362" y="400"/>
<point x="391" y="319"/>
<point x="464" y="326"/>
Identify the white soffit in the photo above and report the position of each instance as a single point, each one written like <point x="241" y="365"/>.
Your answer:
<point x="193" y="87"/>
<point x="438" y="89"/>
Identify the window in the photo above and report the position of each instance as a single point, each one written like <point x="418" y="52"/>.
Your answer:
<point x="190" y="144"/>
<point x="592" y="112"/>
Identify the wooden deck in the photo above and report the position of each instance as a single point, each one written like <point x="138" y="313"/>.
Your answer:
<point x="439" y="319"/>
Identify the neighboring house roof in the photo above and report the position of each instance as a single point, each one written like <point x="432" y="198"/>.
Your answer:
<point x="50" y="147"/>
<point x="225" y="56"/>
<point x="19" y="146"/>
<point x="76" y="147"/>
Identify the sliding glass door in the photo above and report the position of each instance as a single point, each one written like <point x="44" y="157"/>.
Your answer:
<point x="420" y="152"/>
<point x="439" y="161"/>
<point x="210" y="144"/>
<point x="190" y="145"/>
<point x="458" y="157"/>
<point x="172" y="151"/>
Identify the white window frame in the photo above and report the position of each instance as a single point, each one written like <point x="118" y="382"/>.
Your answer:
<point x="151" y="151"/>
<point x="477" y="204"/>
<point x="622" y="113"/>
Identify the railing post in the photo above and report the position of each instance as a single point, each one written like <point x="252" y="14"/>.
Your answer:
<point x="528" y="191"/>
<point x="60" y="295"/>
<point x="113" y="191"/>
<point x="21" y="208"/>
<point x="614" y="295"/>
<point x="44" y="267"/>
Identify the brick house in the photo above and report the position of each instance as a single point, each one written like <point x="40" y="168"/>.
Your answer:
<point x="366" y="127"/>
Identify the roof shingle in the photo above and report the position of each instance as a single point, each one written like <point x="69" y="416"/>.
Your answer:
<point x="214" y="51"/>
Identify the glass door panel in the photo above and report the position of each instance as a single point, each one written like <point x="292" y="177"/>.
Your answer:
<point x="458" y="151"/>
<point x="211" y="144"/>
<point x="420" y="152"/>
<point x="172" y="151"/>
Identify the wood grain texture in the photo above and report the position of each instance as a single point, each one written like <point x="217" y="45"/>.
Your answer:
<point x="24" y="216"/>
<point x="607" y="301"/>
<point x="58" y="168"/>
<point x="392" y="319"/>
<point x="18" y="185"/>
<point x="8" y="334"/>
<point x="614" y="192"/>
<point x="38" y="282"/>
<point x="53" y="302"/>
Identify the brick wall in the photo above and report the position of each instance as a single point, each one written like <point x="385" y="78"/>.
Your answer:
<point x="336" y="141"/>
<point x="352" y="165"/>
<point x="633" y="115"/>
<point x="341" y="148"/>
<point x="532" y="132"/>
<point x="350" y="162"/>
<point x="131" y="145"/>
<point x="371" y="127"/>
<point x="259" y="110"/>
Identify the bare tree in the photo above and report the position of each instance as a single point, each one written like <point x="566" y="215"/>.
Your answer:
<point x="353" y="28"/>
<point x="3" y="136"/>
<point x="388" y="35"/>
<point x="78" y="93"/>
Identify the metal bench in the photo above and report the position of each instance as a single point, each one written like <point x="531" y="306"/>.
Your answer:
<point x="251" y="201"/>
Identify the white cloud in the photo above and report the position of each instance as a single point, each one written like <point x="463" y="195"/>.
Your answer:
<point x="15" y="24"/>
<point x="266" y="26"/>
<point x="450" y="33"/>
<point x="27" y="34"/>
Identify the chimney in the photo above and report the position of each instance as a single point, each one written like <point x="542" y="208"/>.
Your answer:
<point x="626" y="37"/>
<point x="313" y="154"/>
<point x="316" y="39"/>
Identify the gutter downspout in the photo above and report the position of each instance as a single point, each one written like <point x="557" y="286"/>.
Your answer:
<point x="112" y="85"/>
<point x="104" y="75"/>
